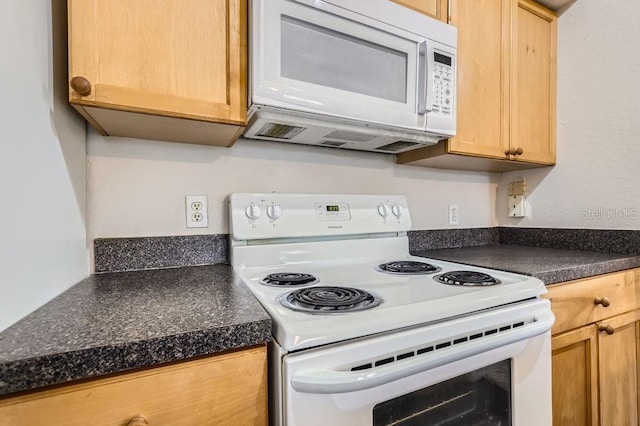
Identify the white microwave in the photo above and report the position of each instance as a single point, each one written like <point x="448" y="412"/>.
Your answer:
<point x="358" y="74"/>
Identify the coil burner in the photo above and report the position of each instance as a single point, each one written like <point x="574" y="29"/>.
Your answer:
<point x="408" y="267"/>
<point x="467" y="279"/>
<point x="329" y="300"/>
<point x="288" y="279"/>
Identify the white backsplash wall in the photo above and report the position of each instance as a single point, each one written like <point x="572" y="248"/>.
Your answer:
<point x="596" y="182"/>
<point x="137" y="187"/>
<point x="43" y="248"/>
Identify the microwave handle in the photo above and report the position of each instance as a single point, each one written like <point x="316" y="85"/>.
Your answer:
<point x="426" y="94"/>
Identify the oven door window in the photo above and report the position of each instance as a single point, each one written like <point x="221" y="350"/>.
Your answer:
<point x="481" y="397"/>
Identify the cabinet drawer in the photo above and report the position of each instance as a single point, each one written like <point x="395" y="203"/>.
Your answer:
<point x="227" y="389"/>
<point x="575" y="303"/>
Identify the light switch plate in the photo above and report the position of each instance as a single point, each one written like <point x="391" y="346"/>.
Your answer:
<point x="517" y="187"/>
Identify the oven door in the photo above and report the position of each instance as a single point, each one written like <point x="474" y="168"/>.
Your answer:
<point x="489" y="368"/>
<point x="312" y="56"/>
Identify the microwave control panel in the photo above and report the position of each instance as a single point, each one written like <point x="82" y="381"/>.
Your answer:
<point x="443" y="84"/>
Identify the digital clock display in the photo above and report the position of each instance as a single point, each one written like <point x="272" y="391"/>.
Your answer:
<point x="443" y="59"/>
<point x="333" y="208"/>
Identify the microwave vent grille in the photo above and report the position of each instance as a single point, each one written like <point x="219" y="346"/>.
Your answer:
<point x="332" y="143"/>
<point x="279" y="131"/>
<point x="349" y="136"/>
<point x="396" y="146"/>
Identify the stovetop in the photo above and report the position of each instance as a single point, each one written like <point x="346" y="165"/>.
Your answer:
<point x="354" y="262"/>
<point x="406" y="300"/>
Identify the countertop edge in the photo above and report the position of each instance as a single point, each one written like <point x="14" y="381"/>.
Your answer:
<point x="61" y="368"/>
<point x="588" y="271"/>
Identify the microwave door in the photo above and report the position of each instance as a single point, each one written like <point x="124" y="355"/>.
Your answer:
<point x="333" y="62"/>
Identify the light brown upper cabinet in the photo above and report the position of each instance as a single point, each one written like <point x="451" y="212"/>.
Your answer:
<point x="533" y="82"/>
<point x="434" y="8"/>
<point x="506" y="81"/>
<point x="167" y="70"/>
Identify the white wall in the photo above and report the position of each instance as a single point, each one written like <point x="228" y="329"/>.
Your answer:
<point x="597" y="176"/>
<point x="42" y="163"/>
<point x="137" y="187"/>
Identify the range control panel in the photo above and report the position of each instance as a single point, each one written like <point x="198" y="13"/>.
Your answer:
<point x="263" y="216"/>
<point x="333" y="211"/>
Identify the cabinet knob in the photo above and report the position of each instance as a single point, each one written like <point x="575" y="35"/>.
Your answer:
<point x="606" y="328"/>
<point x="604" y="301"/>
<point x="138" y="421"/>
<point x="514" y="151"/>
<point x="81" y="85"/>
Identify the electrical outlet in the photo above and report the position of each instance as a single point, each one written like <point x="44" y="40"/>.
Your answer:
<point x="454" y="214"/>
<point x="517" y="206"/>
<point x="196" y="211"/>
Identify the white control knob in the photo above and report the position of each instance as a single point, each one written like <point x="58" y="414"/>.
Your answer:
<point x="253" y="211"/>
<point x="274" y="211"/>
<point x="383" y="210"/>
<point x="396" y="210"/>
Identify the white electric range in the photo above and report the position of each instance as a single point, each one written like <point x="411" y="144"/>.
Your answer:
<point x="362" y="329"/>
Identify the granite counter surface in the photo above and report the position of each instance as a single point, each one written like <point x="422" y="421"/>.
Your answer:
<point x="549" y="265"/>
<point x="115" y="322"/>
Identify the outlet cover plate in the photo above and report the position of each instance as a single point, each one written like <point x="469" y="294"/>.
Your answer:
<point x="516" y="206"/>
<point x="196" y="211"/>
<point x="454" y="214"/>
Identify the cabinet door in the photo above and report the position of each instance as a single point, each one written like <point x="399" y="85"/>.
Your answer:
<point x="575" y="377"/>
<point x="533" y="82"/>
<point x="483" y="77"/>
<point x="618" y="365"/>
<point x="224" y="390"/>
<point x="434" y="8"/>
<point x="593" y="299"/>
<point x="183" y="59"/>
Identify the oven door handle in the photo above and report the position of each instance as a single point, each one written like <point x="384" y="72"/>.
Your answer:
<point x="329" y="381"/>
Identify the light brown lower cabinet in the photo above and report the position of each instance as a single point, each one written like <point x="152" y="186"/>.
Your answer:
<point x="226" y="389"/>
<point x="596" y="350"/>
<point x="618" y="369"/>
<point x="575" y="377"/>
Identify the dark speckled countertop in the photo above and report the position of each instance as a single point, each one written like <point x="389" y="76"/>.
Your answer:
<point x="549" y="265"/>
<point x="116" y="322"/>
